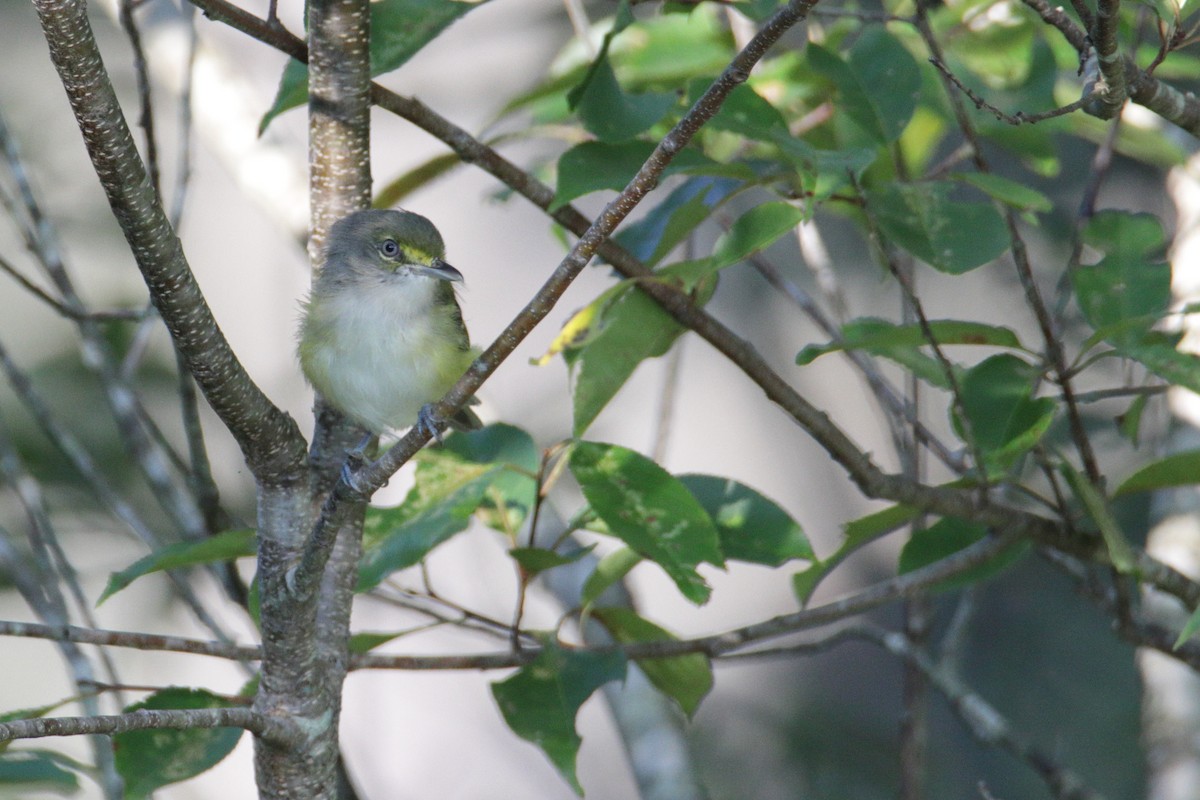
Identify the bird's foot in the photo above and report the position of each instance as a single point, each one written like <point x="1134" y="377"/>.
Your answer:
<point x="429" y="423"/>
<point x="352" y="467"/>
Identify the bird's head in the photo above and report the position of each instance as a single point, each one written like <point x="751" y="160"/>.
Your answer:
<point x="398" y="243"/>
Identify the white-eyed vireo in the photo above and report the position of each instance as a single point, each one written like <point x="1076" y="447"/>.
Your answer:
<point x="382" y="335"/>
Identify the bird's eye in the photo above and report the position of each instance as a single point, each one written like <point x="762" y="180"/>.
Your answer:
<point x="389" y="248"/>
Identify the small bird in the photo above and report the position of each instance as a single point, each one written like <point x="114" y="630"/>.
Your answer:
<point x="382" y="335"/>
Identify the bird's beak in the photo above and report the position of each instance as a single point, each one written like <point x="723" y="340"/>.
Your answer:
<point x="441" y="270"/>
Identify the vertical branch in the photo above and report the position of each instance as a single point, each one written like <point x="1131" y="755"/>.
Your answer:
<point x="1109" y="60"/>
<point x="305" y="632"/>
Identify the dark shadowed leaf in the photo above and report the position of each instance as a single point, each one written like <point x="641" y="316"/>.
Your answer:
<point x="950" y="235"/>
<point x="225" y="546"/>
<point x="592" y="166"/>
<point x="946" y="537"/>
<point x="148" y="760"/>
<point x="540" y="701"/>
<point x="1004" y="420"/>
<point x="1177" y="469"/>
<point x="399" y="28"/>
<point x="633" y="328"/>
<point x="685" y="679"/>
<point x="878" y="83"/>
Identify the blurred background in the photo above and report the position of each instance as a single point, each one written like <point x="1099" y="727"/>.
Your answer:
<point x="821" y="726"/>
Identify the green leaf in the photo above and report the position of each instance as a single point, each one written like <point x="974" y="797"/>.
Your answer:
<point x="540" y="701"/>
<point x="35" y="771"/>
<point x="879" y="83"/>
<point x="903" y="343"/>
<point x="488" y="472"/>
<point x="400" y="187"/>
<point x="621" y="20"/>
<point x="440" y="504"/>
<point x="752" y="527"/>
<point x="592" y="166"/>
<point x="1158" y="352"/>
<point x="744" y="112"/>
<point x="151" y="759"/>
<point x="685" y="679"/>
<point x="399" y="28"/>
<point x="651" y="511"/>
<point x="614" y="115"/>
<point x="946" y="537"/>
<point x="1011" y="193"/>
<point x="669" y="223"/>
<point x="824" y="172"/>
<point x="1005" y="420"/>
<point x="1120" y="552"/>
<point x="857" y="534"/>
<point x="756" y="230"/>
<point x="612" y="568"/>
<point x="364" y="642"/>
<point x="1130" y="283"/>
<point x="1177" y="469"/>
<point x="1130" y="423"/>
<point x="633" y="329"/>
<point x="513" y="491"/>
<point x="538" y="559"/>
<point x="225" y="546"/>
<point x="950" y="235"/>
<point x="1189" y="630"/>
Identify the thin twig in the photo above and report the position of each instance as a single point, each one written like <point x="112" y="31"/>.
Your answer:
<point x="1020" y="117"/>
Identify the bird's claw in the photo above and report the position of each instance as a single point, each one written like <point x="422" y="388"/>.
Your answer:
<point x="429" y="423"/>
<point x="351" y="469"/>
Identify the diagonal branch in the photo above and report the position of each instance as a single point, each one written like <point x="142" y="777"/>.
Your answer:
<point x="269" y="438"/>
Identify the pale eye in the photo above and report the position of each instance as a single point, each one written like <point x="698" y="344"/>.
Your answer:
<point x="389" y="248"/>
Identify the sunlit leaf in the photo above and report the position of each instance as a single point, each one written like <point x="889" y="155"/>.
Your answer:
<point x="650" y="510"/>
<point x="752" y="527"/>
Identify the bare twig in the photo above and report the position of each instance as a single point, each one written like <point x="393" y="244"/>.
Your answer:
<point x="277" y="731"/>
<point x="1020" y="117"/>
